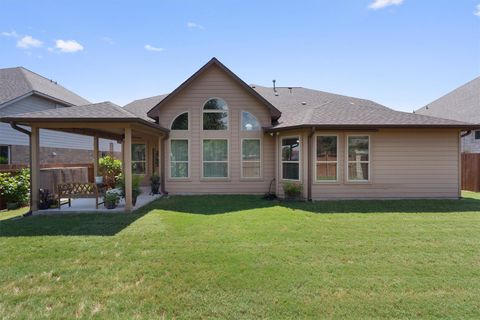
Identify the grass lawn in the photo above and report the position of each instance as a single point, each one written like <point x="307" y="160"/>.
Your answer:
<point x="242" y="257"/>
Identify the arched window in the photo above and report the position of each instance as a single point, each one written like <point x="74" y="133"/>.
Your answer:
<point x="180" y="122"/>
<point x="215" y="115"/>
<point x="249" y="122"/>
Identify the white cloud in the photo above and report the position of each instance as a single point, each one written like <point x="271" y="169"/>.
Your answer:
<point x="477" y="11"/>
<point x="195" y="25"/>
<point x="380" y="4"/>
<point x="29" y="42"/>
<point x="68" y="46"/>
<point x="152" y="48"/>
<point x="11" y="34"/>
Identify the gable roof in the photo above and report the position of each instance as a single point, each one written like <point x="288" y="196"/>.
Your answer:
<point x="20" y="82"/>
<point x="302" y="107"/>
<point x="275" y="113"/>
<point x="141" y="107"/>
<point x="462" y="104"/>
<point x="97" y="112"/>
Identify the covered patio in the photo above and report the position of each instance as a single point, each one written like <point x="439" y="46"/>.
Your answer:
<point x="101" y="120"/>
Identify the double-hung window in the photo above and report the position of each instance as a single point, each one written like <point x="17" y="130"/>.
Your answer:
<point x="358" y="158"/>
<point x="326" y="158"/>
<point x="179" y="158"/>
<point x="291" y="158"/>
<point x="251" y="158"/>
<point x="139" y="162"/>
<point x="215" y="158"/>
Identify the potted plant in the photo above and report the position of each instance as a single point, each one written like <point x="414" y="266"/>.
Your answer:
<point x="292" y="190"/>
<point x="111" y="199"/>
<point x="155" y="183"/>
<point x="136" y="190"/>
<point x="109" y="168"/>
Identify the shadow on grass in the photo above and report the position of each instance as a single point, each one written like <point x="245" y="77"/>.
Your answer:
<point x="111" y="224"/>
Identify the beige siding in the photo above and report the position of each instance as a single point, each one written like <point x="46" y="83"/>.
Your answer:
<point x="215" y="83"/>
<point x="405" y="163"/>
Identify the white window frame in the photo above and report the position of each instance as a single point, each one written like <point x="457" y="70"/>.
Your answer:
<point x="347" y="161"/>
<point x="475" y="134"/>
<point x="227" y="161"/>
<point x="315" y="161"/>
<point x="251" y="161"/>
<point x="170" y="159"/>
<point x="144" y="161"/>
<point x="216" y="111"/>
<point x="299" y="158"/>
<point x="256" y="119"/>
<point x="9" y="153"/>
<point x="175" y="118"/>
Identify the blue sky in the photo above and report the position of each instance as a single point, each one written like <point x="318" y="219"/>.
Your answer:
<point x="401" y="53"/>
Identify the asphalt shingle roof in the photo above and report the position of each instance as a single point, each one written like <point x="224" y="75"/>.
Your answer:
<point x="462" y="104"/>
<point x="301" y="106"/>
<point x="142" y="106"/>
<point x="17" y="82"/>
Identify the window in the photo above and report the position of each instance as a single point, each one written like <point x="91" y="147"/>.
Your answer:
<point x="358" y="158"/>
<point x="215" y="115"/>
<point x="4" y="154"/>
<point x="180" y="122"/>
<point x="249" y="122"/>
<point x="139" y="163"/>
<point x="251" y="150"/>
<point x="291" y="158"/>
<point x="179" y="158"/>
<point x="215" y="158"/>
<point x="477" y="135"/>
<point x="326" y="161"/>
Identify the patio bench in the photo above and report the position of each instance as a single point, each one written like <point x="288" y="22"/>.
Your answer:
<point x="78" y="190"/>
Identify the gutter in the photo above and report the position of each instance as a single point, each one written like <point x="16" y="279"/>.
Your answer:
<point x="465" y="133"/>
<point x="309" y="165"/>
<point x="22" y="130"/>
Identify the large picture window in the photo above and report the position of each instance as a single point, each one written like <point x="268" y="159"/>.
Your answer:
<point x="139" y="162"/>
<point x="326" y="158"/>
<point x="178" y="158"/>
<point x="358" y="158"/>
<point x="4" y="154"/>
<point x="215" y="115"/>
<point x="291" y="158"/>
<point x="215" y="158"/>
<point x="251" y="158"/>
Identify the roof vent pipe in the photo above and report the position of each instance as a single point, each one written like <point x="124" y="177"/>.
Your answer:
<point x="274" y="87"/>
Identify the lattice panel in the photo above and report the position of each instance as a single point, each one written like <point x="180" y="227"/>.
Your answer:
<point x="77" y="189"/>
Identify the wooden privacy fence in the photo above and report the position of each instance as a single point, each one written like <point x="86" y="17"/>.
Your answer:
<point x="471" y="172"/>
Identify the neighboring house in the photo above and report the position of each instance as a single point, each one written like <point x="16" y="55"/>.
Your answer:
<point x="23" y="91"/>
<point x="215" y="134"/>
<point x="462" y="104"/>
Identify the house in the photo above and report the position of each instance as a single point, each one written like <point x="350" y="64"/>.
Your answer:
<point x="462" y="104"/>
<point x="215" y="134"/>
<point x="21" y="91"/>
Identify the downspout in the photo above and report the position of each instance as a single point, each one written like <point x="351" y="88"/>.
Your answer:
<point x="29" y="134"/>
<point x="309" y="164"/>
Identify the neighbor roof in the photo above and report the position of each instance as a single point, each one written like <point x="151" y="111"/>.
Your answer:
<point x="97" y="112"/>
<point x="274" y="112"/>
<point x="19" y="82"/>
<point x="462" y="104"/>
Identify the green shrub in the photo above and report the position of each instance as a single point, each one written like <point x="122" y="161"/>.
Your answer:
<point x="15" y="188"/>
<point x="292" y="190"/>
<point x="109" y="168"/>
<point x="136" y="190"/>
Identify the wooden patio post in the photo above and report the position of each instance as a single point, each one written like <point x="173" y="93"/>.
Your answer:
<point x="127" y="153"/>
<point x="95" y="155"/>
<point x="35" y="166"/>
